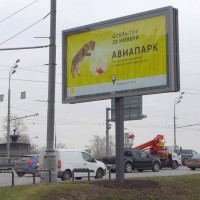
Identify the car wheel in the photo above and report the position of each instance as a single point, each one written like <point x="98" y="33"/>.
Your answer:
<point x="174" y="165"/>
<point x="140" y="170"/>
<point x="128" y="167"/>
<point x="99" y="173"/>
<point x="192" y="168"/>
<point x="66" y="175"/>
<point x="20" y="174"/>
<point x="156" y="167"/>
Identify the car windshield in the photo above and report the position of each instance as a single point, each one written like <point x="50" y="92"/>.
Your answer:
<point x="197" y="156"/>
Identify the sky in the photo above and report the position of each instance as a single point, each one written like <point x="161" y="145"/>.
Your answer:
<point x="76" y="124"/>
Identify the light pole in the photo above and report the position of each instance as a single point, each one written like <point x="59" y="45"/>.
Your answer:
<point x="33" y="138"/>
<point x="11" y="71"/>
<point x="176" y="101"/>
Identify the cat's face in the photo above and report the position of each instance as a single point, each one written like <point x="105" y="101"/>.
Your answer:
<point x="92" y="45"/>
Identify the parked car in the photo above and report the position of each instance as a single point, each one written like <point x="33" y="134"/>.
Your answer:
<point x="6" y="163"/>
<point x="134" y="159"/>
<point x="193" y="162"/>
<point x="26" y="164"/>
<point x="69" y="159"/>
<point x="187" y="153"/>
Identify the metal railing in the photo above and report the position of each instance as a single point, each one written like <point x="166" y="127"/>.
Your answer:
<point x="42" y="170"/>
<point x="8" y="171"/>
<point x="79" y="170"/>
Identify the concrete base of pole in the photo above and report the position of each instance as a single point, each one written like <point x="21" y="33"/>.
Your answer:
<point x="49" y="163"/>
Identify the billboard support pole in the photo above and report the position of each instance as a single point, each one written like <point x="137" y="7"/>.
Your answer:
<point x="119" y="134"/>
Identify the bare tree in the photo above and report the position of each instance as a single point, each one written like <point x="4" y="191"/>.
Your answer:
<point x="24" y="138"/>
<point x="36" y="149"/>
<point x="112" y="145"/>
<point x="18" y="126"/>
<point x="98" y="146"/>
<point x="61" y="146"/>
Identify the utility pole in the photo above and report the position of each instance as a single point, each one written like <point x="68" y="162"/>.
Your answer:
<point x="49" y="157"/>
<point x="108" y="126"/>
<point x="176" y="101"/>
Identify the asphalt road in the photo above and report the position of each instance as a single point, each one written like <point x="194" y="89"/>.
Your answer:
<point x="6" y="179"/>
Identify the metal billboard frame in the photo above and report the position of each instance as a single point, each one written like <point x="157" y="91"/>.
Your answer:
<point x="172" y="56"/>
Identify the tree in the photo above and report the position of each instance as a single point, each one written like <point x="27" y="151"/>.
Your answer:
<point x="18" y="126"/>
<point x="98" y="146"/>
<point x="61" y="146"/>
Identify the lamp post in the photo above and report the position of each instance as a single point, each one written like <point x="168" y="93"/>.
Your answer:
<point x="11" y="71"/>
<point x="33" y="138"/>
<point x="176" y="101"/>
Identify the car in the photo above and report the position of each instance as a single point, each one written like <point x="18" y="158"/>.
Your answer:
<point x="6" y="163"/>
<point x="134" y="159"/>
<point x="193" y="162"/>
<point x="187" y="153"/>
<point x="27" y="164"/>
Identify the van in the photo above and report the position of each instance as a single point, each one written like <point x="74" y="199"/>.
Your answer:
<point x="69" y="159"/>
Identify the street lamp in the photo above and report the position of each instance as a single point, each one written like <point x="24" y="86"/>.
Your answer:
<point x="176" y="101"/>
<point x="33" y="138"/>
<point x="11" y="71"/>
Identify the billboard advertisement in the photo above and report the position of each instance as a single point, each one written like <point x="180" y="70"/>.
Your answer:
<point x="132" y="55"/>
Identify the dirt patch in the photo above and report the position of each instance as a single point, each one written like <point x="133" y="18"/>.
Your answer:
<point x="127" y="184"/>
<point x="103" y="189"/>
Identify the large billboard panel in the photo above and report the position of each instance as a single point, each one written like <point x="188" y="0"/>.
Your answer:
<point x="131" y="55"/>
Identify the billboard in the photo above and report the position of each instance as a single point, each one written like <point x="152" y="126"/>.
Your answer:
<point x="132" y="108"/>
<point x="132" y="55"/>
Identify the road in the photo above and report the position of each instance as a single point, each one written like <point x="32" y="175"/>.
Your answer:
<point x="6" y="179"/>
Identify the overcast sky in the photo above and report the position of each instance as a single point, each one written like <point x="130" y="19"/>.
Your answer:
<point x="76" y="124"/>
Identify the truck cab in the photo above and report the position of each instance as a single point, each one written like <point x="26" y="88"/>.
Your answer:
<point x="173" y="153"/>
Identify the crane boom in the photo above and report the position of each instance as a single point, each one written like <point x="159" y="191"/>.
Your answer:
<point x="154" y="145"/>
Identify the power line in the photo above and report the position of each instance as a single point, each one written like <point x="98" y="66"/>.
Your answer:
<point x="21" y="48"/>
<point x="22" y="109"/>
<point x="73" y="123"/>
<point x="18" y="11"/>
<point x="30" y="80"/>
<point x="25" y="117"/>
<point x="37" y="71"/>
<point x="188" y="125"/>
<point x="25" y="29"/>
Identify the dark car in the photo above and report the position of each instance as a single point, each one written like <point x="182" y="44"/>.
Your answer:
<point x="26" y="164"/>
<point x="187" y="153"/>
<point x="135" y="159"/>
<point x="193" y="162"/>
